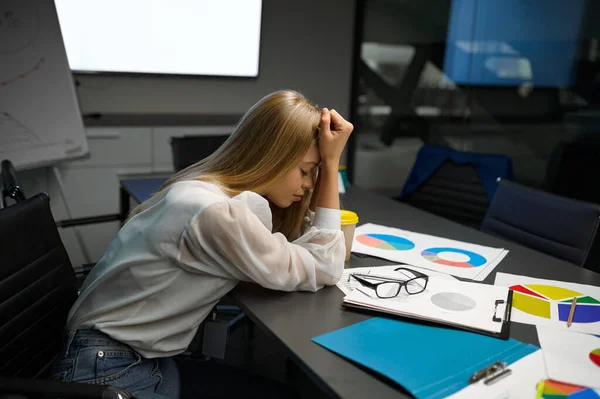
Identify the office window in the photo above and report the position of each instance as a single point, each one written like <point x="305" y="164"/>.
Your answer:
<point x="515" y="77"/>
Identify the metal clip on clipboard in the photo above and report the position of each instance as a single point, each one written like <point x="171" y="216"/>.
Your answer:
<point x="494" y="317"/>
<point x="491" y="374"/>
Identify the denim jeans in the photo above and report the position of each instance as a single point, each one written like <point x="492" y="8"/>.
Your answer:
<point x="90" y="356"/>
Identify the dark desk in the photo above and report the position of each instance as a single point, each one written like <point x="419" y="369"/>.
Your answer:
<point x="295" y="318"/>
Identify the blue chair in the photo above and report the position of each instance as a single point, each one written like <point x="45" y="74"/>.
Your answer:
<point x="456" y="185"/>
<point x="561" y="227"/>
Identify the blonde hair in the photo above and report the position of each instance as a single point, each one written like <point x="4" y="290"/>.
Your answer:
<point x="266" y="144"/>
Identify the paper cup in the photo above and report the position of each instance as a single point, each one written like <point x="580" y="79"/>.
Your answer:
<point x="349" y="220"/>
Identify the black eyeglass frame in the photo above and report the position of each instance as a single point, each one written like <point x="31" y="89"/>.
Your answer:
<point x="362" y="279"/>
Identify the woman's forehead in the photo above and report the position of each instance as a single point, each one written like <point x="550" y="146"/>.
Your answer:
<point x="312" y="155"/>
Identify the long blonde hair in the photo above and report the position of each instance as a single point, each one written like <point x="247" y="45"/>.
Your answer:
<point x="266" y="144"/>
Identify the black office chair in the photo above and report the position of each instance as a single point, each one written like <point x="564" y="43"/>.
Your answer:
<point x="561" y="227"/>
<point x="187" y="150"/>
<point x="573" y="167"/>
<point x="454" y="192"/>
<point x="37" y="289"/>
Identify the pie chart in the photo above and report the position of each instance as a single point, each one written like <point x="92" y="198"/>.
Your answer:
<point x="555" y="389"/>
<point x="595" y="357"/>
<point x="538" y="299"/>
<point x="432" y="255"/>
<point x="385" y="241"/>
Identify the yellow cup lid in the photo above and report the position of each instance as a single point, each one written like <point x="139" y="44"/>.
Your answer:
<point x="349" y="217"/>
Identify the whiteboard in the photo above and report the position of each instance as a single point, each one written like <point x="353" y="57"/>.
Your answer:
<point x="185" y="37"/>
<point x="40" y="120"/>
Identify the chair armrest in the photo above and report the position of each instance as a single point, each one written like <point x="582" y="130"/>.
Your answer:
<point x="46" y="388"/>
<point x="81" y="272"/>
<point x="86" y="268"/>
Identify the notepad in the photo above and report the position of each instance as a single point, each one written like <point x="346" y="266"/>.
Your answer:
<point x="430" y="362"/>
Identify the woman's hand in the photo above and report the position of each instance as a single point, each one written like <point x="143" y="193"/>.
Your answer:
<point x="333" y="135"/>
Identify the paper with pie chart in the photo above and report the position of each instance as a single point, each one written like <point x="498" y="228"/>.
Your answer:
<point x="571" y="357"/>
<point x="548" y="303"/>
<point x="458" y="258"/>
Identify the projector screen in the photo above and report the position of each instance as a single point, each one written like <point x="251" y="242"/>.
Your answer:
<point x="185" y="37"/>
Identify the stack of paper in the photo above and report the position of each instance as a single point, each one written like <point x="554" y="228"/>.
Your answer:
<point x="470" y="306"/>
<point x="571" y="357"/>
<point x="440" y="254"/>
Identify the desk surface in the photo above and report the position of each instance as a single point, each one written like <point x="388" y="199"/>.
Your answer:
<point x="295" y="318"/>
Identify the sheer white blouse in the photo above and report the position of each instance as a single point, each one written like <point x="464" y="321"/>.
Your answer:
<point x="170" y="264"/>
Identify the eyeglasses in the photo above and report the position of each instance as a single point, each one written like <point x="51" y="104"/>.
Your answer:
<point x="415" y="282"/>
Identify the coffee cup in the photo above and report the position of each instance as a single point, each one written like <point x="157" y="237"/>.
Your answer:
<point x="349" y="220"/>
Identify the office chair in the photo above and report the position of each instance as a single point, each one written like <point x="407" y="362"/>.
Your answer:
<point x="37" y="289"/>
<point x="187" y="150"/>
<point x="573" y="167"/>
<point x="10" y="186"/>
<point x="561" y="227"/>
<point x="454" y="184"/>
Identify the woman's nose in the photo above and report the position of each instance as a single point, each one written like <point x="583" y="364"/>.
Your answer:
<point x="308" y="183"/>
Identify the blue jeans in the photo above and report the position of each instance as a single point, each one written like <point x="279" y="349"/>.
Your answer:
<point x="90" y="356"/>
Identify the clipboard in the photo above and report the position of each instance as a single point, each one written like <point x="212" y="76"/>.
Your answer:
<point x="428" y="361"/>
<point x="505" y="319"/>
<point x="496" y="323"/>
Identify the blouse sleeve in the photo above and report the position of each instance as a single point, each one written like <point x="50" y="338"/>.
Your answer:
<point x="308" y="221"/>
<point x="230" y="236"/>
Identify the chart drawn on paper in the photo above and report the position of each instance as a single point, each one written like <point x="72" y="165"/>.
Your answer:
<point x="386" y="241"/>
<point x="453" y="301"/>
<point x="555" y="390"/>
<point x="548" y="303"/>
<point x="433" y="255"/>
<point x="440" y="254"/>
<point x="595" y="357"/>
<point x="19" y="25"/>
<point x="537" y="300"/>
<point x="15" y="135"/>
<point x="19" y="28"/>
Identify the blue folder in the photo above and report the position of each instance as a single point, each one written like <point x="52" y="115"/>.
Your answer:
<point x="429" y="362"/>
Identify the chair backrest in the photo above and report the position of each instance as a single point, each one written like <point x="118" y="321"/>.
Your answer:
<point x="188" y="150"/>
<point x="454" y="192"/>
<point x="558" y="226"/>
<point x="457" y="185"/>
<point x="37" y="288"/>
<point x="573" y="166"/>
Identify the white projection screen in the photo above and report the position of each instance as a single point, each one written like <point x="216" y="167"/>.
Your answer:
<point x="180" y="37"/>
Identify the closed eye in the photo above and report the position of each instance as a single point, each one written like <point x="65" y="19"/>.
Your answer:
<point x="304" y="173"/>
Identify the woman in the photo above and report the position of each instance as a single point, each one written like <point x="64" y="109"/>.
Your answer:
<point x="242" y="214"/>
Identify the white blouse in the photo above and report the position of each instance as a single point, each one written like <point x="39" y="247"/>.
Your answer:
<point x="170" y="264"/>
